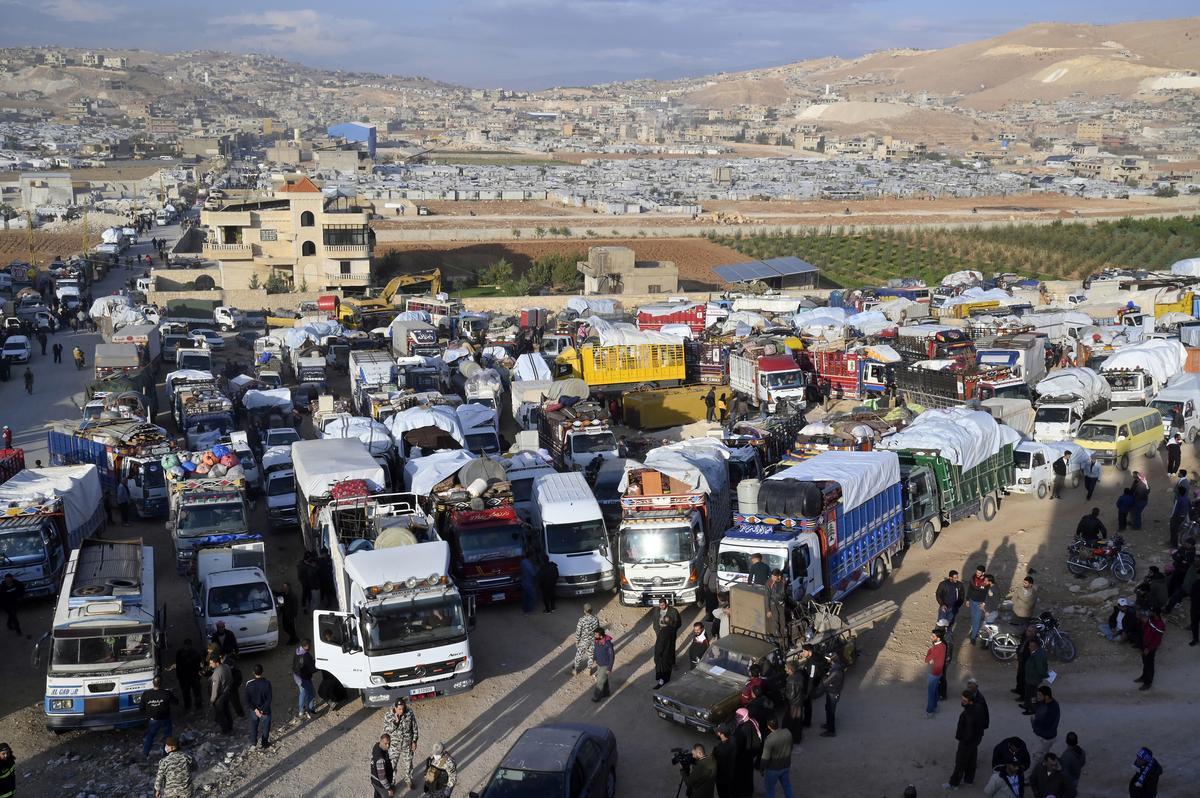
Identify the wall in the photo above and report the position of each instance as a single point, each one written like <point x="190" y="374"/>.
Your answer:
<point x="244" y="298"/>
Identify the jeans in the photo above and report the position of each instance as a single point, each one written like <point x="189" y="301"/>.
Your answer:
<point x="1138" y="507"/>
<point x="258" y="725"/>
<point x="931" y="693"/>
<point x="782" y="777"/>
<point x="308" y="697"/>
<point x="976" y="619"/>
<point x="1107" y="631"/>
<point x="1090" y="484"/>
<point x="153" y="727"/>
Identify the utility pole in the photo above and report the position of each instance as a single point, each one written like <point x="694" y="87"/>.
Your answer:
<point x="29" y="237"/>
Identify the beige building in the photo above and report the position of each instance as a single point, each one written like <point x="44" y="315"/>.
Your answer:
<point x="313" y="242"/>
<point x="614" y="270"/>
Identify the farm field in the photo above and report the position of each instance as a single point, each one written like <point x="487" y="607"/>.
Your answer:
<point x="15" y="245"/>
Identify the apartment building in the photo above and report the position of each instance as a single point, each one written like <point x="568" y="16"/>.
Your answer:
<point x="312" y="241"/>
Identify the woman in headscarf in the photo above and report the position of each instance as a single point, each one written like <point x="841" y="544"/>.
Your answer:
<point x="749" y="740"/>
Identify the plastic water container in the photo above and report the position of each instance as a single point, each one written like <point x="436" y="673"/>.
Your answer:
<point x="747" y="496"/>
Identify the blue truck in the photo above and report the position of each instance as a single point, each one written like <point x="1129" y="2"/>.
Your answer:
<point x="830" y="524"/>
<point x="123" y="451"/>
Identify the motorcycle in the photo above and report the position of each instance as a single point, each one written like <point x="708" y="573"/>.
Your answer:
<point x="1058" y="644"/>
<point x="1003" y="645"/>
<point x="1082" y="558"/>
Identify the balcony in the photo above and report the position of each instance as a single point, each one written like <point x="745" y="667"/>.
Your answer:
<point x="348" y="250"/>
<point x="229" y="251"/>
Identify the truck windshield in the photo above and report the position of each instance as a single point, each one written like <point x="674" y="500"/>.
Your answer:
<point x="657" y="544"/>
<point x="21" y="544"/>
<point x="490" y="543"/>
<point x="113" y="651"/>
<point x="239" y="600"/>
<point x="593" y="442"/>
<point x="483" y="442"/>
<point x="204" y="519"/>
<point x="514" y="783"/>
<point x="723" y="661"/>
<point x="281" y="485"/>
<point x="152" y="475"/>
<point x="575" y="538"/>
<point x="220" y="424"/>
<point x="785" y="379"/>
<point x="1124" y="382"/>
<point x="1053" y="415"/>
<point x="731" y="563"/>
<point x="401" y="625"/>
<point x="1021" y="459"/>
<point x="1102" y="433"/>
<point x="1015" y="391"/>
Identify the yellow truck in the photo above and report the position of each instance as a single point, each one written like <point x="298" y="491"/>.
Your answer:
<point x="624" y="367"/>
<point x="659" y="408"/>
<point x="965" y="310"/>
<point x="1174" y="302"/>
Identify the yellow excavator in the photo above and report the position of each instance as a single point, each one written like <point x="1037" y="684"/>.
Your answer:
<point x="381" y="299"/>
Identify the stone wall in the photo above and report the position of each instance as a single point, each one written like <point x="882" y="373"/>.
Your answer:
<point x="242" y="298"/>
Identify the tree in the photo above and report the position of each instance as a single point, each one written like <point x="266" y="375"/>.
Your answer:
<point x="540" y="232"/>
<point x="254" y="282"/>
<point x="499" y="273"/>
<point x="516" y="233"/>
<point x="276" y="284"/>
<point x="1166" y="190"/>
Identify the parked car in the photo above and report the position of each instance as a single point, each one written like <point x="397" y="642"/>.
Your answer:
<point x="17" y="349"/>
<point x="557" y="760"/>
<point x="211" y="338"/>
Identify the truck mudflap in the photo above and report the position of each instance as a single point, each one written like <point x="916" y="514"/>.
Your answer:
<point x="649" y="598"/>
<point x="385" y="696"/>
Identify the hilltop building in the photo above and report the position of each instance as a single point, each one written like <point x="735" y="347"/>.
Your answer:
<point x="614" y="270"/>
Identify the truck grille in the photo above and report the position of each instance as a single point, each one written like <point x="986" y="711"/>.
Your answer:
<point x="656" y="583"/>
<point x="582" y="579"/>
<point x="420" y="671"/>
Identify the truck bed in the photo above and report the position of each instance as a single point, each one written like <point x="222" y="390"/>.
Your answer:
<point x="961" y="491"/>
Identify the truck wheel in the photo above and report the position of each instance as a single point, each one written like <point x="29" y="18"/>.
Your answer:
<point x="929" y="535"/>
<point x="1123" y="462"/>
<point x="878" y="575"/>
<point x="987" y="510"/>
<point x="1042" y="490"/>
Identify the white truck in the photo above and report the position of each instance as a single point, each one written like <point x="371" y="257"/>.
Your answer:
<point x="319" y="466"/>
<point x="400" y="628"/>
<point x="1137" y="372"/>
<point x="766" y="378"/>
<point x="480" y="427"/>
<point x="521" y="469"/>
<point x="1033" y="466"/>
<point x="279" y="487"/>
<point x="1179" y="405"/>
<point x="370" y="370"/>
<point x="1023" y="354"/>
<point x="1065" y="399"/>
<point x="230" y="586"/>
<point x="567" y="517"/>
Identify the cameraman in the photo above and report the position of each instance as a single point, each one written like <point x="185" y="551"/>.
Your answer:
<point x="701" y="775"/>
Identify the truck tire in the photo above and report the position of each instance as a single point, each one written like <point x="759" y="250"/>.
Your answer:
<point x="987" y="509"/>
<point x="1042" y="490"/>
<point x="929" y="535"/>
<point x="879" y="573"/>
<point x="1123" y="462"/>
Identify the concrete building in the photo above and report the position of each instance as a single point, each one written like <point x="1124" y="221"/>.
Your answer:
<point x="349" y="161"/>
<point x="42" y="189"/>
<point x="615" y="270"/>
<point x="312" y="241"/>
<point x="355" y="133"/>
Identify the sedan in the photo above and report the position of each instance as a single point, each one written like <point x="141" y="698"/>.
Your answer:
<point x="210" y="338"/>
<point x="557" y="760"/>
<point x="17" y="349"/>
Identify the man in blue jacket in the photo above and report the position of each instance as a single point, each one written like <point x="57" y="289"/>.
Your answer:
<point x="258" y="701"/>
<point x="1045" y="722"/>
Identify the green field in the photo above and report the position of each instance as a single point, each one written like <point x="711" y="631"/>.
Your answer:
<point x="1053" y="252"/>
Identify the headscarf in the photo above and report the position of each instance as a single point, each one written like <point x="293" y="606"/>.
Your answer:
<point x="1144" y="764"/>
<point x="743" y="716"/>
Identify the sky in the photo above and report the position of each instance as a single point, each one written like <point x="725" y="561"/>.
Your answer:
<point x="524" y="44"/>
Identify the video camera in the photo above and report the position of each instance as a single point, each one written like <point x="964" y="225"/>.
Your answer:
<point x="683" y="758"/>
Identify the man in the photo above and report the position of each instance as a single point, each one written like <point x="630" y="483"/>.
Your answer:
<point x="1120" y="620"/>
<point x="795" y="690"/>
<point x="759" y="571"/>
<point x="1072" y="760"/>
<point x="156" y="706"/>
<point x="225" y="640"/>
<point x="761" y="708"/>
<point x="1124" y="508"/>
<point x="667" y="624"/>
<point x="968" y="733"/>
<point x="28" y="381"/>
<point x="1144" y="783"/>
<point x="288" y="610"/>
<point x="1173" y="449"/>
<point x="1044" y="722"/>
<point x="187" y="670"/>
<point x="1179" y="513"/>
<point x="7" y="437"/>
<point x="400" y="725"/>
<point x="981" y="705"/>
<point x="1060" y="474"/>
<point x="832" y="682"/>
<point x="585" y="644"/>
<point x="173" y="779"/>
<point x="441" y="773"/>
<point x="12" y="590"/>
<point x="698" y="645"/>
<point x="701" y="778"/>
<point x="950" y="595"/>
<point x="57" y="349"/>
<point x="710" y="404"/>
<point x="1037" y="669"/>
<point x="221" y="686"/>
<point x="1049" y="781"/>
<point x="8" y="771"/>
<point x="1152" y="637"/>
<point x="303" y="668"/>
<point x="1141" y="497"/>
<point x="258" y="699"/>
<point x="1091" y="477"/>
<point x="813" y="673"/>
<point x="935" y="658"/>
<point x="978" y="593"/>
<point x="548" y="583"/>
<point x="777" y="587"/>
<point x="123" y="502"/>
<point x="1090" y="528"/>
<point x="1024" y="601"/>
<point x="1007" y="781"/>
<point x="605" y="657"/>
<point x="777" y="759"/>
<point x="381" y="768"/>
<point x="725" y="761"/>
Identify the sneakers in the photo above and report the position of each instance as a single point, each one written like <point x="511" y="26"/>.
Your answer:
<point x="949" y="786"/>
<point x="1145" y="686"/>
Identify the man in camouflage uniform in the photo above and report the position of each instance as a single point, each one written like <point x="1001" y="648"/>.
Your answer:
<point x="174" y="776"/>
<point x="585" y="645"/>
<point x="441" y="774"/>
<point x="401" y="725"/>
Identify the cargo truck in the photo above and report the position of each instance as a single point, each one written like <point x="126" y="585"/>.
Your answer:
<point x="370" y="371"/>
<point x="851" y="374"/>
<point x="1137" y="372"/>
<point x="658" y="408"/>
<point x="1179" y="405"/>
<point x="124" y="452"/>
<point x="202" y="412"/>
<point x="1065" y="399"/>
<point x="147" y="340"/>
<point x="320" y="466"/>
<point x="414" y="338"/>
<point x="1024" y="355"/>
<point x="279" y="487"/>
<point x="925" y="384"/>
<point x="230" y="586"/>
<point x="933" y="342"/>
<point x="115" y="358"/>
<point x="205" y="510"/>
<point x="624" y="367"/>
<point x="830" y="525"/>
<point x="692" y="315"/>
<point x="766" y="379"/>
<point x="575" y="436"/>
<point x="12" y="462"/>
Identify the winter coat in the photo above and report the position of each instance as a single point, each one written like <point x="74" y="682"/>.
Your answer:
<point x="1024" y="601"/>
<point x="1037" y="668"/>
<point x="950" y="594"/>
<point x="1045" y="719"/>
<point x="1045" y="782"/>
<point x="605" y="655"/>
<point x="970" y="726"/>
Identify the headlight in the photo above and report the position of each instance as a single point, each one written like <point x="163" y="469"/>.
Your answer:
<point x="376" y="680"/>
<point x="273" y="624"/>
<point x="463" y="665"/>
<point x="62" y="704"/>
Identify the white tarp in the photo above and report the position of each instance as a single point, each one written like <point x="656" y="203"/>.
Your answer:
<point x="77" y="485"/>
<point x="106" y="305"/>
<point x="625" y="334"/>
<point x="1080" y="457"/>
<point x="923" y="330"/>
<point x="678" y="330"/>
<point x="963" y="278"/>
<point x="455" y="353"/>
<point x="309" y="330"/>
<point x="1189" y="267"/>
<point x="321" y="464"/>
<point x="1172" y="319"/>
<point x="872" y="322"/>
<point x="881" y="352"/>
<point x="592" y="305"/>
<point x="1159" y="358"/>
<point x="769" y="304"/>
<point x="440" y="416"/>
<point x="413" y="315"/>
<point x="1180" y="388"/>
<point x="744" y="318"/>
<point x="861" y="475"/>
<point x="484" y="380"/>
<point x="1081" y="382"/>
<point x="531" y="366"/>
<point x="972" y="295"/>
<point x="421" y="474"/>
<point x="254" y="399"/>
<point x="373" y="434"/>
<point x="899" y="309"/>
<point x="701" y="464"/>
<point x="475" y="416"/>
<point x="964" y="437"/>
<point x="667" y="308"/>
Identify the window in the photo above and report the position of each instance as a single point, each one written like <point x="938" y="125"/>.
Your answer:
<point x="653" y="289"/>
<point x="589" y="756"/>
<point x="307" y="219"/>
<point x="268" y="234"/>
<point x="308" y="248"/>
<point x="345" y="266"/>
<point x="800" y="563"/>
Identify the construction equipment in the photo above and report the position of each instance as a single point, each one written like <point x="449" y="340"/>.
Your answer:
<point x="374" y="302"/>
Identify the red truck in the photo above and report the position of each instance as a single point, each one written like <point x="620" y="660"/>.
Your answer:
<point x="12" y="462"/>
<point x="851" y="375"/>
<point x="486" y="550"/>
<point x="655" y="317"/>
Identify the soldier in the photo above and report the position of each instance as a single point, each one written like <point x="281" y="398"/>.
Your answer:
<point x="174" y="776"/>
<point x="585" y="645"/>
<point x="401" y="726"/>
<point x="441" y="774"/>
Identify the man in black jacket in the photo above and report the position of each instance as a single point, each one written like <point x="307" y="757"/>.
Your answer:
<point x="1090" y="528"/>
<point x="156" y="706"/>
<point x="724" y="755"/>
<point x="288" y="610"/>
<point x="11" y="593"/>
<point x="1011" y="749"/>
<point x="187" y="671"/>
<point x="950" y="596"/>
<point x="1047" y="779"/>
<point x="969" y="734"/>
<point x="226" y="639"/>
<point x="1060" y="475"/>
<point x="258" y="699"/>
<point x="701" y="778"/>
<point x="381" y="768"/>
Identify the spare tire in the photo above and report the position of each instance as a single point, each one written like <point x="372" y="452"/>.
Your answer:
<point x="790" y="498"/>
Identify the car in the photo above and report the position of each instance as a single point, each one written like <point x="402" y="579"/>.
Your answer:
<point x="280" y="436"/>
<point x="211" y="338"/>
<point x="17" y="349"/>
<point x="557" y="760"/>
<point x="707" y="696"/>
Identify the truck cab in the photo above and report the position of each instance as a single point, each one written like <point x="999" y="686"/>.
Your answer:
<point x="568" y="519"/>
<point x="191" y="358"/>
<point x="228" y="319"/>
<point x="1179" y="405"/>
<point x="202" y="509"/>
<point x="279" y="487"/>
<point x="554" y="344"/>
<point x="521" y="469"/>
<point x="486" y="550"/>
<point x="1056" y="420"/>
<point x="230" y="586"/>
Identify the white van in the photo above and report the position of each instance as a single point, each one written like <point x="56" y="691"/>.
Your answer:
<point x="1033" y="463"/>
<point x="567" y="517"/>
<point x="230" y="586"/>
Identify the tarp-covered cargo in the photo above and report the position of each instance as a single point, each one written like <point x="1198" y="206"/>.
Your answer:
<point x="861" y="475"/>
<point x="963" y="437"/>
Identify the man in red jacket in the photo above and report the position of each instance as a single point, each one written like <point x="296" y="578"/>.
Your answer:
<point x="935" y="658"/>
<point x="1152" y="637"/>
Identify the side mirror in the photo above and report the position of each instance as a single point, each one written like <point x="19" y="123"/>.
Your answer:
<point x="469" y="605"/>
<point x="36" y="657"/>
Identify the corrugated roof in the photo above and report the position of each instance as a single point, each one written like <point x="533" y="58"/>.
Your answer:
<point x="763" y="269"/>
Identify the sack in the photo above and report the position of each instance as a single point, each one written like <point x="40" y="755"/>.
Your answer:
<point x="435" y="778"/>
<point x="350" y="489"/>
<point x="188" y="466"/>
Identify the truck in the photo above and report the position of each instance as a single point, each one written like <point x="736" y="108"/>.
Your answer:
<point x="47" y="513"/>
<point x="771" y="436"/>
<point x="830" y="524"/>
<point x="1179" y="405"/>
<point x="955" y="463"/>
<point x="193" y="357"/>
<point x="230" y="586"/>
<point x="400" y="629"/>
<point x="568" y="520"/>
<point x="320" y="466"/>
<point x="852" y="373"/>
<point x="1024" y="355"/>
<point x="1065" y="399"/>
<point x="105" y="642"/>
<point x="310" y="369"/>
<point x="115" y="358"/>
<point x="521" y="469"/>
<point x="441" y="308"/>
<point x="692" y="315"/>
<point x="279" y="487"/>
<point x="622" y="367"/>
<point x="204" y="510"/>
<point x="932" y="342"/>
<point x="766" y="374"/>
<point x="201" y="312"/>
<point x="410" y="337"/>
<point x="1033" y="466"/>
<point x="203" y="413"/>
<point x="947" y="383"/>
<point x="147" y="340"/>
<point x="124" y="452"/>
<point x="370" y="370"/>
<point x="576" y="435"/>
<point x="12" y="462"/>
<point x="1137" y="372"/>
<point x="673" y="510"/>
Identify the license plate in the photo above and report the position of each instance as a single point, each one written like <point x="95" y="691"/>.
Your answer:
<point x="675" y="716"/>
<point x="583" y="592"/>
<point x="421" y="690"/>
<point x="497" y="597"/>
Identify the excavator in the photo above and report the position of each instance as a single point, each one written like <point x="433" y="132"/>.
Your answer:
<point x="378" y="300"/>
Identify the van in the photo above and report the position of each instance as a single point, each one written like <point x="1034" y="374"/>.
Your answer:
<point x="567" y="517"/>
<point x="1119" y="434"/>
